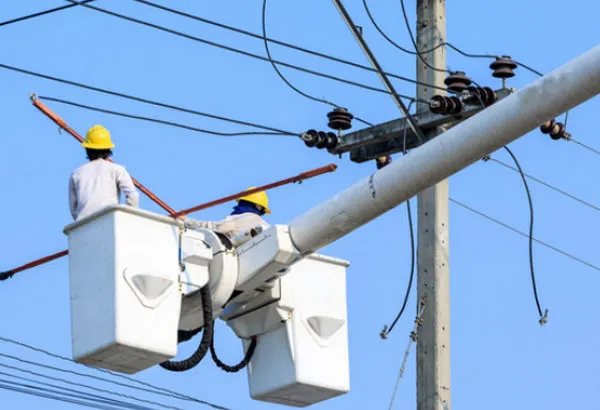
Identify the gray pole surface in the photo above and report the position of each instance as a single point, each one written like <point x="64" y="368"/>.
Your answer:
<point x="433" y="343"/>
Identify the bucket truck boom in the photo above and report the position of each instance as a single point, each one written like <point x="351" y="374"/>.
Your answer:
<point x="135" y="276"/>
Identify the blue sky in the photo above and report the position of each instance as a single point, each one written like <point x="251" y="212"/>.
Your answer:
<point x="500" y="355"/>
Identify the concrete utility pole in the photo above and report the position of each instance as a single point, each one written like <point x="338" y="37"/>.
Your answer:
<point x="433" y="343"/>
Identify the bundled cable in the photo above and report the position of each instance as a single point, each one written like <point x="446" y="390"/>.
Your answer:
<point x="207" y="335"/>
<point x="236" y="368"/>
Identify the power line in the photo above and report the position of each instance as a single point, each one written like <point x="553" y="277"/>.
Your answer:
<point x="155" y="389"/>
<point x="85" y="386"/>
<point x="79" y="394"/>
<point x="511" y="228"/>
<point x="62" y="394"/>
<point x="42" y="13"/>
<point x="281" y="43"/>
<point x="378" y="28"/>
<point x="412" y="39"/>
<point x="554" y="188"/>
<point x="139" y="99"/>
<point x="285" y="80"/>
<point x="172" y="124"/>
<point x="543" y="316"/>
<point x="587" y="147"/>
<point x="386" y="331"/>
<point x="447" y="44"/>
<point x="239" y="51"/>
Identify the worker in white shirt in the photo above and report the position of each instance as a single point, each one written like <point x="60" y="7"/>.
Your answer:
<point x="99" y="183"/>
<point x="246" y="216"/>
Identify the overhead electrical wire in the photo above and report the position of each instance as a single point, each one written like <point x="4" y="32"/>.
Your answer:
<point x="238" y="51"/>
<point x="387" y="330"/>
<point x="87" y="386"/>
<point x="42" y="13"/>
<point x="139" y="99"/>
<point x="155" y="120"/>
<point x="543" y="315"/>
<point x="79" y="394"/>
<point x="32" y="392"/>
<point x="587" y="147"/>
<point x="285" y="80"/>
<point x="70" y="395"/>
<point x="526" y="235"/>
<point x="283" y="43"/>
<point x="554" y="188"/>
<point x="445" y="43"/>
<point x="149" y="388"/>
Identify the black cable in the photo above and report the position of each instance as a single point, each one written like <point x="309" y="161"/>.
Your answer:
<point x="42" y="13"/>
<point x="155" y="389"/>
<point x="266" y="43"/>
<point x="238" y="51"/>
<point x="52" y="397"/>
<point x="285" y="80"/>
<point x="207" y="335"/>
<point x="235" y="368"/>
<point x="76" y="393"/>
<point x="172" y="124"/>
<point x="445" y="43"/>
<point x="281" y="43"/>
<point x="58" y="379"/>
<point x="386" y="331"/>
<point x="412" y="39"/>
<point x="74" y="398"/>
<point x="138" y="99"/>
<point x="543" y="316"/>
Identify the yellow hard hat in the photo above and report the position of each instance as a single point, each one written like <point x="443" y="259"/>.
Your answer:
<point x="98" y="137"/>
<point x="258" y="198"/>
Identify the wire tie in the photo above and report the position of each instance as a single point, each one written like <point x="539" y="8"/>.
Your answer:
<point x="384" y="333"/>
<point x="544" y="319"/>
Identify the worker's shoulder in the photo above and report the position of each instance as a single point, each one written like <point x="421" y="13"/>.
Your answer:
<point x="98" y="166"/>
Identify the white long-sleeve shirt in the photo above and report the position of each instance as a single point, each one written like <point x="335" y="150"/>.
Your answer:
<point x="99" y="184"/>
<point x="230" y="226"/>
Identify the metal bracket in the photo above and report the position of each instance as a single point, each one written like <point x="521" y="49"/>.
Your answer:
<point x="387" y="138"/>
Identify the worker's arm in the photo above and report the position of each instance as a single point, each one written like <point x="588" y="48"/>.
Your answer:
<point x="125" y="184"/>
<point x="72" y="198"/>
<point x="195" y="224"/>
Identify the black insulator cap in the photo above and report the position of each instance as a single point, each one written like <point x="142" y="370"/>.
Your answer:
<point x="503" y="67"/>
<point x="438" y="104"/>
<point x="340" y="119"/>
<point x="457" y="82"/>
<point x="488" y="95"/>
<point x="310" y="138"/>
<point x="547" y="127"/>
<point x="455" y="105"/>
<point x="332" y="140"/>
<point x="558" y="132"/>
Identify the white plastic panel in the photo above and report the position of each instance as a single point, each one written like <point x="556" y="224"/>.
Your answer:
<point x="302" y="353"/>
<point x="265" y="258"/>
<point x="196" y="255"/>
<point x="125" y="303"/>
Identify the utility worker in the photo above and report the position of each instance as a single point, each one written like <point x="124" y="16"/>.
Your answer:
<point x="246" y="215"/>
<point x="99" y="183"/>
